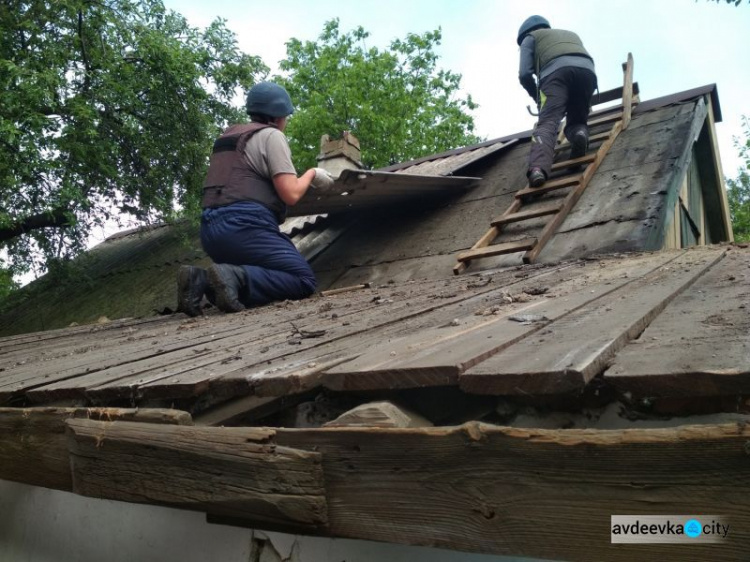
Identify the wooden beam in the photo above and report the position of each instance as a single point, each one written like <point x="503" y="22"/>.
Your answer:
<point x="627" y="92"/>
<point x="33" y="449"/>
<point x="224" y="471"/>
<point x="717" y="170"/>
<point x="505" y="491"/>
<point x="340" y="290"/>
<point x="246" y="409"/>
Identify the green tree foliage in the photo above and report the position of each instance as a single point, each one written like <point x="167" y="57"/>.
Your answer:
<point x="396" y="101"/>
<point x="7" y="285"/>
<point x="106" y="107"/>
<point x="738" y="189"/>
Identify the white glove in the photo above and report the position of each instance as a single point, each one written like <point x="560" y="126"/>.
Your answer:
<point x="323" y="179"/>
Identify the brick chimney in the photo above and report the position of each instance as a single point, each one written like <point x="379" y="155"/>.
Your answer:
<point x="337" y="155"/>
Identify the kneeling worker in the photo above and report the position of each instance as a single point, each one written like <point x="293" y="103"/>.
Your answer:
<point x="250" y="182"/>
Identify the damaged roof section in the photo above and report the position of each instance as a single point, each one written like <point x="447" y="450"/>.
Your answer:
<point x="529" y="332"/>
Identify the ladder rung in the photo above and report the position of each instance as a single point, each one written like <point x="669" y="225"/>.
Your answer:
<point x="525" y="215"/>
<point x="593" y="138"/>
<point x="606" y="119"/>
<point x="498" y="249"/>
<point x="612" y="95"/>
<point x="585" y="159"/>
<point x="549" y="186"/>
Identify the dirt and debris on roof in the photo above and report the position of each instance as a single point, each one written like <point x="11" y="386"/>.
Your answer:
<point x="645" y="328"/>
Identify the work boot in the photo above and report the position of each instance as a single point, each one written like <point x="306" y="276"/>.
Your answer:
<point x="192" y="283"/>
<point x="579" y="144"/>
<point x="537" y="177"/>
<point x="227" y="283"/>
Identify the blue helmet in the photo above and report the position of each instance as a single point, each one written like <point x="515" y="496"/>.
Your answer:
<point x="531" y="24"/>
<point x="267" y="98"/>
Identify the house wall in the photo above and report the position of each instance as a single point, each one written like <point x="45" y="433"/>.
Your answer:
<point x="42" y="525"/>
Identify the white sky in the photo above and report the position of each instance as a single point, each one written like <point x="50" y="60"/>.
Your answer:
<point x="677" y="45"/>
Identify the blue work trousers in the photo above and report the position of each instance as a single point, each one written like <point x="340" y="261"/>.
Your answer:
<point x="247" y="234"/>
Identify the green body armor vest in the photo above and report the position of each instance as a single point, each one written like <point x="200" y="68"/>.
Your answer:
<point x="553" y="43"/>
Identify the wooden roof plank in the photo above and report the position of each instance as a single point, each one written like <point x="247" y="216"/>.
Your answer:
<point x="700" y="345"/>
<point x="569" y="352"/>
<point x="194" y="343"/>
<point x="319" y="367"/>
<point x="438" y="355"/>
<point x="188" y="372"/>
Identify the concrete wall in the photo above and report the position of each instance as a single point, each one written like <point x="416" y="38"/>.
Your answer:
<point x="41" y="525"/>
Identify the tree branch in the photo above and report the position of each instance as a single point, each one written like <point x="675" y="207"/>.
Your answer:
<point x="56" y="218"/>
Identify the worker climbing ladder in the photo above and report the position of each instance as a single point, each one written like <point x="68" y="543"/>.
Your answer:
<point x="572" y="178"/>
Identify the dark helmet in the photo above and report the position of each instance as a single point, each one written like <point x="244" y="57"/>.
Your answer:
<point x="267" y="98"/>
<point x="531" y="24"/>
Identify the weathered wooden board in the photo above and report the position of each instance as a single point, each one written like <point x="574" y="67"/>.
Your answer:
<point x="570" y="351"/>
<point x="700" y="345"/>
<point x="439" y="354"/>
<point x="313" y="367"/>
<point x="140" y="356"/>
<point x="532" y="493"/>
<point x="223" y="471"/>
<point x="33" y="448"/>
<point x="233" y="370"/>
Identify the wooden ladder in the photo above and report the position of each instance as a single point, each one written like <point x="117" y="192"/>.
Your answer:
<point x="575" y="180"/>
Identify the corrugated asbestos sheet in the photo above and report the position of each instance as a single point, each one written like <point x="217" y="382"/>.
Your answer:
<point x="362" y="189"/>
<point x="448" y="163"/>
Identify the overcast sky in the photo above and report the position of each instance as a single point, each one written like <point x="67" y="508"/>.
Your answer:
<point x="676" y="44"/>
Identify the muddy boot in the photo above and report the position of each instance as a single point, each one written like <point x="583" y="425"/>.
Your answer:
<point x="192" y="283"/>
<point x="579" y="144"/>
<point x="227" y="282"/>
<point x="537" y="177"/>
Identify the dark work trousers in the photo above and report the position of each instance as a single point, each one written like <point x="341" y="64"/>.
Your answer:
<point x="247" y="234"/>
<point x="567" y="91"/>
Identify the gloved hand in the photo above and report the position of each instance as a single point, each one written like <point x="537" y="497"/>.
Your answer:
<point x="323" y="179"/>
